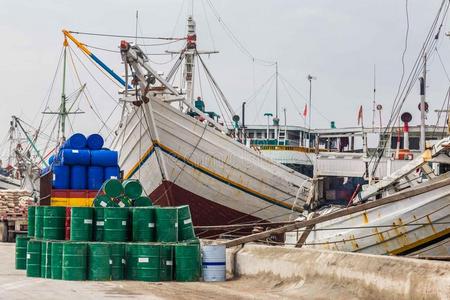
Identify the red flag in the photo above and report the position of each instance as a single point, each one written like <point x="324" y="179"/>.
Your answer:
<point x="305" y="111"/>
<point x="360" y="115"/>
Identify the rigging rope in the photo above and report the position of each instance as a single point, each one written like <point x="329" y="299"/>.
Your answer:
<point x="401" y="97"/>
<point x="236" y="41"/>
<point x="127" y="36"/>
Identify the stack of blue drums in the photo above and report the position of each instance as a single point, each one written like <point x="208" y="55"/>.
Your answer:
<point x="83" y="164"/>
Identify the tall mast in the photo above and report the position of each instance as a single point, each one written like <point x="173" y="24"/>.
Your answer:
<point x="190" y="59"/>
<point x="423" y="87"/>
<point x="374" y="104"/>
<point x="277" y="119"/>
<point x="310" y="79"/>
<point x="63" y="111"/>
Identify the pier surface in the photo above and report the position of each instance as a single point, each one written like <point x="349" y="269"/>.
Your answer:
<point x="15" y="285"/>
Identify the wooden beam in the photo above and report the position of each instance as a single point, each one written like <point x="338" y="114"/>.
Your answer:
<point x="423" y="188"/>
<point x="301" y="241"/>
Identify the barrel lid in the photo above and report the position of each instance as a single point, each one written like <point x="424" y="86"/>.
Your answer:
<point x="95" y="141"/>
<point x="113" y="188"/>
<point x="132" y="188"/>
<point x="77" y="141"/>
<point x="142" y="201"/>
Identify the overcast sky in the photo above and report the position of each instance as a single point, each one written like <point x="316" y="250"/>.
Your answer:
<point x="337" y="41"/>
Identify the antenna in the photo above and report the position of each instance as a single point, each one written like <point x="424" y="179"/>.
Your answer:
<point x="374" y="96"/>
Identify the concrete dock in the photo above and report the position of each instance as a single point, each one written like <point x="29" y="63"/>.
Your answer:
<point x="261" y="273"/>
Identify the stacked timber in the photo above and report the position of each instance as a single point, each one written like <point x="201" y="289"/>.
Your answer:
<point x="14" y="203"/>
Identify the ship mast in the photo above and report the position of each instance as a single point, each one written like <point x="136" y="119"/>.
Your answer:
<point x="63" y="111"/>
<point x="423" y="87"/>
<point x="190" y="59"/>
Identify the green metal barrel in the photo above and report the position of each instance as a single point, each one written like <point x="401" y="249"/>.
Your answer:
<point x="187" y="262"/>
<point x="99" y="224"/>
<point x="74" y="261"/>
<point x="31" y="216"/>
<point x="21" y="252"/>
<point x="81" y="223"/>
<point x="99" y="261"/>
<point x="39" y="222"/>
<point x="166" y="224"/>
<point x="54" y="223"/>
<point x="104" y="201"/>
<point x="166" y="262"/>
<point x="116" y="224"/>
<point x="118" y="259"/>
<point x="185" y="227"/>
<point x="46" y="259"/>
<point x="143" y="224"/>
<point x="34" y="258"/>
<point x="132" y="188"/>
<point x="124" y="201"/>
<point x="143" y="262"/>
<point x="57" y="258"/>
<point x="113" y="188"/>
<point x="142" y="201"/>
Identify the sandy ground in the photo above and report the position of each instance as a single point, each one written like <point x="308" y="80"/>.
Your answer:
<point x="15" y="285"/>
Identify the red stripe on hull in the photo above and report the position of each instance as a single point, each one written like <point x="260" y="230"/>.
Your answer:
<point x="204" y="212"/>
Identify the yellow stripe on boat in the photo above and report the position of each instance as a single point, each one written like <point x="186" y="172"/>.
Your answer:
<point x="210" y="173"/>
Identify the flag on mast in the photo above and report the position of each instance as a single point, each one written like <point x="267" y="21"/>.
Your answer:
<point x="360" y="115"/>
<point x="305" y="111"/>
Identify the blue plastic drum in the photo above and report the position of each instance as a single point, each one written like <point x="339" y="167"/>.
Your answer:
<point x="104" y="158"/>
<point x="95" y="141"/>
<point x="76" y="141"/>
<point x="95" y="177"/>
<point x="112" y="173"/>
<point x="78" y="177"/>
<point x="72" y="157"/>
<point x="61" y="177"/>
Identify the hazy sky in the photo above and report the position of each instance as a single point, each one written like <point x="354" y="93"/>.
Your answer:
<point x="337" y="41"/>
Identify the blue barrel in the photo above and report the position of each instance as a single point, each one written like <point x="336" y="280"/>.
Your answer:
<point x="104" y="158"/>
<point x="78" y="177"/>
<point x="61" y="177"/>
<point x="95" y="177"/>
<point x="76" y="141"/>
<point x="112" y="173"/>
<point x="95" y="141"/>
<point x="72" y="157"/>
<point x="51" y="159"/>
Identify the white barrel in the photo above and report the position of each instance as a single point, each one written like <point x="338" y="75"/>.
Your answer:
<point x="213" y="262"/>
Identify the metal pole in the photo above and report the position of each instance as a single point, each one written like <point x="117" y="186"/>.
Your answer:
<point x="243" y="114"/>
<point x="309" y="115"/>
<point x="285" y="127"/>
<point x="63" y="111"/>
<point x="276" y="90"/>
<point x="423" y="85"/>
<point x="276" y="103"/>
<point x="374" y="97"/>
<point x="267" y="133"/>
<point x="243" y="123"/>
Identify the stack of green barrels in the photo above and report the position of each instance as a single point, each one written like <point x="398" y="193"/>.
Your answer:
<point x="118" y="194"/>
<point x="110" y="243"/>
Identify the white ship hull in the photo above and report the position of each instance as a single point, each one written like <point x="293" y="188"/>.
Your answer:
<point x="402" y="227"/>
<point x="185" y="161"/>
